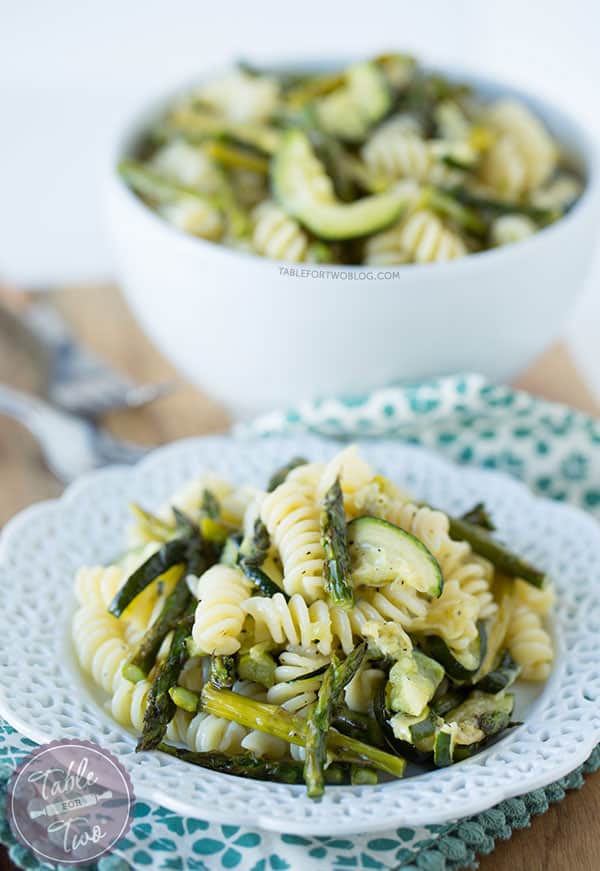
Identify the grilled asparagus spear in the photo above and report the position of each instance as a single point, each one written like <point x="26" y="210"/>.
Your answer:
<point x="281" y="474"/>
<point x="337" y="676"/>
<point x="504" y="559"/>
<point x="160" y="706"/>
<point x="249" y="765"/>
<point x="336" y="567"/>
<point x="142" y="660"/>
<point x="275" y="721"/>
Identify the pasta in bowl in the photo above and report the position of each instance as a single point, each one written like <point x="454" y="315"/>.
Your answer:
<point x="46" y="547"/>
<point x="381" y="162"/>
<point x="321" y="631"/>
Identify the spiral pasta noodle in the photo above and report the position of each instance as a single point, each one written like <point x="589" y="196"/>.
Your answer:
<point x="396" y="151"/>
<point x="219" y="616"/>
<point x="529" y="140"/>
<point x="278" y="236"/>
<point x="292" y="518"/>
<point x="420" y="237"/>
<point x="530" y="644"/>
<point x="99" y="643"/>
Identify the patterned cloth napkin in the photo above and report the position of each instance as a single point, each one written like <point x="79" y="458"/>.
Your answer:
<point x="556" y="451"/>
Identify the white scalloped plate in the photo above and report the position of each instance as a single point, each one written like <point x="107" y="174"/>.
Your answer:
<point x="44" y="695"/>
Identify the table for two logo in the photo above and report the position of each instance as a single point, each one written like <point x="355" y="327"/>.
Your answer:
<point x="70" y="802"/>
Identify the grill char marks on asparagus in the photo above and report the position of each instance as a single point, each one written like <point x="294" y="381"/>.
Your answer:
<point x="275" y="721"/>
<point x="504" y="559"/>
<point x="160" y="706"/>
<point x="336" y="567"/>
<point x="281" y="474"/>
<point x="251" y="562"/>
<point x="249" y="765"/>
<point x="335" y="679"/>
<point x="143" y="659"/>
<point x="222" y="671"/>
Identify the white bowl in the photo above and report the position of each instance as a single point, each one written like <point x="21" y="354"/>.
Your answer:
<point x="255" y="336"/>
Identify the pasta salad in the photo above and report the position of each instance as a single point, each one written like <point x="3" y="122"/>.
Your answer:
<point x="380" y="163"/>
<point x="324" y="630"/>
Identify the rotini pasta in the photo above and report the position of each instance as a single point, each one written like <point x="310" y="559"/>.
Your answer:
<point x="420" y="237"/>
<point x="220" y="616"/>
<point x="530" y="644"/>
<point x="511" y="228"/>
<point x="100" y="646"/>
<point x="278" y="236"/>
<point x="395" y="151"/>
<point x="292" y="169"/>
<point x="291" y="516"/>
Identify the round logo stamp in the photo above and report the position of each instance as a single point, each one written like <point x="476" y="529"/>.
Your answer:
<point x="70" y="802"/>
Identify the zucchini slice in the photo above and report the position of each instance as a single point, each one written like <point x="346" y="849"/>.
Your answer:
<point x="444" y="743"/>
<point x="459" y="666"/>
<point x="481" y="715"/>
<point x="305" y="192"/>
<point x="414" y="678"/>
<point x="351" y="110"/>
<point x="381" y="552"/>
<point x="502" y="676"/>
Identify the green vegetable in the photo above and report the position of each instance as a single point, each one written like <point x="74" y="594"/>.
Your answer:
<point x="252" y="556"/>
<point x="481" y="716"/>
<point x="260" y="579"/>
<point x="458" y="665"/>
<point x="363" y="727"/>
<point x="231" y="551"/>
<point x="349" y="111"/>
<point x="151" y="526"/>
<point x="502" y="207"/>
<point x="222" y="671"/>
<point x="236" y="157"/>
<point x="154" y="186"/>
<point x="450" y="207"/>
<point x="361" y="775"/>
<point x="381" y="552"/>
<point x="210" y="505"/>
<point x="413" y="680"/>
<point x="485" y="545"/>
<point x="160" y="707"/>
<point x="185" y="699"/>
<point x="255" y="767"/>
<point x="318" y="721"/>
<point x="336" y="566"/>
<point x="172" y="553"/>
<point x="276" y="721"/>
<point x="444" y="743"/>
<point x="144" y="657"/>
<point x="257" y="665"/>
<point x="298" y="180"/>
<point x="281" y="474"/>
<point x="479" y="516"/>
<point x="502" y="676"/>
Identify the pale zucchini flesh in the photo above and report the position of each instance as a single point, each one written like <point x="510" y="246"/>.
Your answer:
<point x="304" y="191"/>
<point x="381" y="552"/>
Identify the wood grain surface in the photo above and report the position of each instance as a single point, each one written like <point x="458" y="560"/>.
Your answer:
<point x="564" y="839"/>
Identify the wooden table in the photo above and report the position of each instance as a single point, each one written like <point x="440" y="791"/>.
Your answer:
<point x="565" y="838"/>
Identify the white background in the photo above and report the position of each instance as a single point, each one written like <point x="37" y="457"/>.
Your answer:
<point x="71" y="70"/>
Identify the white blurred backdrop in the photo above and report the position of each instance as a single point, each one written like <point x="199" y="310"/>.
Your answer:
<point x="70" y="71"/>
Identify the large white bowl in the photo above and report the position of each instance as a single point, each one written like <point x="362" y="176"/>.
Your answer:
<point x="256" y="336"/>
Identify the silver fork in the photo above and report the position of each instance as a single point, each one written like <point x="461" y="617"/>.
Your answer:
<point x="71" y="445"/>
<point x="79" y="382"/>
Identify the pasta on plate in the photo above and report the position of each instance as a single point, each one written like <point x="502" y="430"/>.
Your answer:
<point x="324" y="630"/>
<point x="381" y="163"/>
